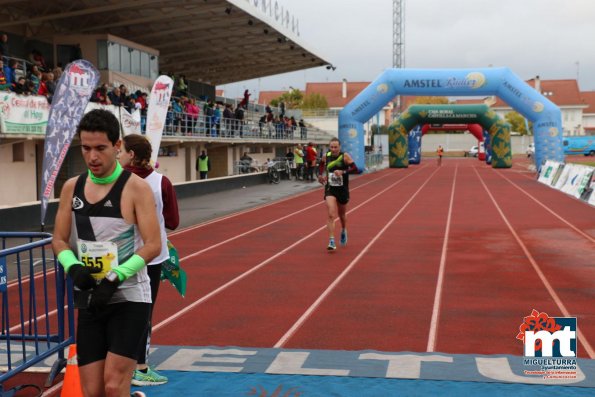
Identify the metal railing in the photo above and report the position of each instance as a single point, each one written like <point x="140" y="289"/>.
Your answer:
<point x="185" y="124"/>
<point x="35" y="312"/>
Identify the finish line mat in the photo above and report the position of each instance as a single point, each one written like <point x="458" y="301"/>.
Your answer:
<point x="564" y="373"/>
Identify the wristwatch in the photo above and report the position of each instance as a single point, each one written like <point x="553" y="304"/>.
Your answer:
<point x="112" y="277"/>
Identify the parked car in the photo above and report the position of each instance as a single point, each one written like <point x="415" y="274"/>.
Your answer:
<point x="531" y="150"/>
<point x="473" y="152"/>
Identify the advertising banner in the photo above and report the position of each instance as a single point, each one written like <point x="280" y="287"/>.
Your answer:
<point x="72" y="94"/>
<point x="23" y="114"/>
<point x="157" y="112"/>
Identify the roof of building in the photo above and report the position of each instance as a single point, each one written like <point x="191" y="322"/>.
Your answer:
<point x="265" y="97"/>
<point x="589" y="100"/>
<point x="333" y="92"/>
<point x="213" y="41"/>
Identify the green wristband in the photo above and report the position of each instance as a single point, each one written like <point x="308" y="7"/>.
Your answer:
<point x="68" y="259"/>
<point x="130" y="267"/>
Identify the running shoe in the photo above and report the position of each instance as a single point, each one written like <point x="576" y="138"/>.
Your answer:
<point x="150" y="378"/>
<point x="343" y="237"/>
<point x="331" y="245"/>
<point x="138" y="394"/>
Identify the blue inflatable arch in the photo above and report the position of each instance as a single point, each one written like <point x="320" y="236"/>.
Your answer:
<point x="546" y="117"/>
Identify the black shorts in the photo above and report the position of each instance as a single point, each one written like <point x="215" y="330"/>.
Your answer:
<point x="341" y="194"/>
<point x="117" y="328"/>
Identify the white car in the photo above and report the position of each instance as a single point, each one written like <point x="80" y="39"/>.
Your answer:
<point x="473" y="152"/>
<point x="531" y="150"/>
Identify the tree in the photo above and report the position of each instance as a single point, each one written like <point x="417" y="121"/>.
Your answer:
<point x="293" y="99"/>
<point x="517" y="123"/>
<point x="382" y="131"/>
<point x="314" y="101"/>
<point x="431" y="100"/>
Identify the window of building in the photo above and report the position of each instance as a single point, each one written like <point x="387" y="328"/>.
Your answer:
<point x="113" y="56"/>
<point x="135" y="62"/>
<point x="145" y="65"/>
<point x="18" y="152"/>
<point x="102" y="55"/>
<point x="125" y="59"/>
<point x="154" y="67"/>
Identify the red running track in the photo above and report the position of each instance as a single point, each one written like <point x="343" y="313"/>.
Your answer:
<point x="445" y="259"/>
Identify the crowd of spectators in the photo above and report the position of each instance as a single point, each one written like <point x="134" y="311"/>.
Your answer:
<point x="185" y="116"/>
<point x="33" y="77"/>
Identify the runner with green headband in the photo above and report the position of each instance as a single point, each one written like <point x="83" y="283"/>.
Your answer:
<point x="103" y="244"/>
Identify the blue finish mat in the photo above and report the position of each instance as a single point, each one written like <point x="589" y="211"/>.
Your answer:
<point x="263" y="385"/>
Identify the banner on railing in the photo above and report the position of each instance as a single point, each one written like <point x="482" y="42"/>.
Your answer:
<point x="73" y="92"/>
<point x="20" y="114"/>
<point x="157" y="112"/>
<point x="549" y="171"/>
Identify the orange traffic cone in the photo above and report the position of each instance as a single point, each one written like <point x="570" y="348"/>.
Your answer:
<point x="71" y="387"/>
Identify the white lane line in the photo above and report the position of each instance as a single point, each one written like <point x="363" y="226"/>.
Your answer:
<point x="240" y="277"/>
<point x="259" y="207"/>
<point x="440" y="281"/>
<point x="537" y="269"/>
<point x="576" y="229"/>
<point x="298" y="324"/>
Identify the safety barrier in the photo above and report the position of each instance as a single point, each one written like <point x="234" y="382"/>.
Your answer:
<point x="576" y="180"/>
<point x="36" y="305"/>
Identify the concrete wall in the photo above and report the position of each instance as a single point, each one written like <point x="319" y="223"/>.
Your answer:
<point x="13" y="173"/>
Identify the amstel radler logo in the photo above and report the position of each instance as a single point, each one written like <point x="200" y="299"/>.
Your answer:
<point x="545" y="336"/>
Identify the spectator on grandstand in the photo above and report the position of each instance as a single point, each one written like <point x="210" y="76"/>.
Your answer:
<point x="20" y="86"/>
<point x="123" y="94"/>
<point x="4" y="84"/>
<point x="245" y="100"/>
<point x="4" y="50"/>
<point x="38" y="60"/>
<point x="292" y="126"/>
<point x="141" y="97"/>
<point x="182" y="86"/>
<point x="192" y="112"/>
<point x="239" y="121"/>
<point x="57" y="71"/>
<point x="228" y="118"/>
<point x="10" y="70"/>
<point x="217" y="120"/>
<point x="30" y="88"/>
<point x="208" y="108"/>
<point x="303" y="129"/>
<point x="43" y="89"/>
<point x="35" y="78"/>
<point x="114" y="97"/>
<point x="282" y="109"/>
<point x="100" y="95"/>
<point x="262" y="123"/>
<point x="178" y="113"/>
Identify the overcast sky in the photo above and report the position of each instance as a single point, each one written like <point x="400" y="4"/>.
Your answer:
<point x="554" y="39"/>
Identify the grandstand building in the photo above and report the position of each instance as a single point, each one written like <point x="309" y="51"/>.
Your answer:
<point x="210" y="42"/>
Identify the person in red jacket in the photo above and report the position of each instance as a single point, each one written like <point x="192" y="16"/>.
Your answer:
<point x="310" y="155"/>
<point x="136" y="157"/>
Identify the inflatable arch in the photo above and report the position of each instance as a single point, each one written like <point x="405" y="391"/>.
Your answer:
<point x="546" y="117"/>
<point x="415" y="135"/>
<point x="442" y="114"/>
